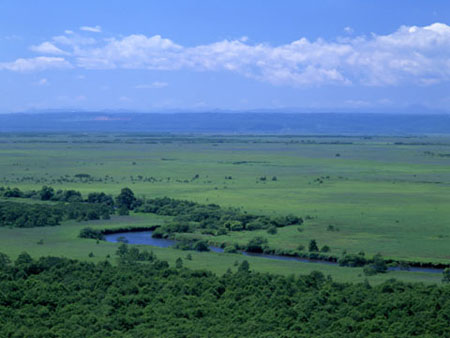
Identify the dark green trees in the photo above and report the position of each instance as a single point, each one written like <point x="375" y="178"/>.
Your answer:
<point x="46" y="193"/>
<point x="144" y="297"/>
<point x="313" y="246"/>
<point x="257" y="244"/>
<point x="126" y="199"/>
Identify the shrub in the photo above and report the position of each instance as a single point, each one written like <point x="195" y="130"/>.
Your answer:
<point x="313" y="246"/>
<point x="325" y="248"/>
<point x="257" y="244"/>
<point x="272" y="230"/>
<point x="91" y="233"/>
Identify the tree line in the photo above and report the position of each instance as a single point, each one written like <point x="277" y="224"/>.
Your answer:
<point x="143" y="296"/>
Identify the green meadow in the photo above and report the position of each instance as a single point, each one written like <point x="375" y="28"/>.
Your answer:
<point x="373" y="194"/>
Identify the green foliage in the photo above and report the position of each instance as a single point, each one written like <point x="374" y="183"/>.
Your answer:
<point x="57" y="297"/>
<point x="91" y="233"/>
<point x="195" y="244"/>
<point x="212" y="216"/>
<point x="100" y="197"/>
<point x="23" y="215"/>
<point x="313" y="246"/>
<point x="379" y="264"/>
<point x="244" y="267"/>
<point x="257" y="244"/>
<point x="46" y="193"/>
<point x="126" y="199"/>
<point x="272" y="230"/>
<point x="230" y="249"/>
<point x="201" y="246"/>
<point x="325" y="248"/>
<point x="352" y="260"/>
<point x="445" y="275"/>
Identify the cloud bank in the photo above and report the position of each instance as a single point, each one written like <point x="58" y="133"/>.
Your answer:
<point x="410" y="55"/>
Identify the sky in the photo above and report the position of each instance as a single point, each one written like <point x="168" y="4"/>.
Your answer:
<point x="150" y="56"/>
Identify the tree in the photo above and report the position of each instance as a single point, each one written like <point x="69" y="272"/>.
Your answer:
<point x="122" y="250"/>
<point x="244" y="267"/>
<point x="272" y="230"/>
<point x="23" y="258"/>
<point x="46" y="193"/>
<point x="123" y="211"/>
<point x="4" y="260"/>
<point x="379" y="264"/>
<point x="257" y="244"/>
<point x="201" y="246"/>
<point x="325" y="248"/>
<point x="313" y="246"/>
<point x="446" y="276"/>
<point x="179" y="263"/>
<point x="126" y="199"/>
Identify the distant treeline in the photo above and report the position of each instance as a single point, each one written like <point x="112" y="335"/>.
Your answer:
<point x="69" y="205"/>
<point x="143" y="296"/>
<point x="190" y="216"/>
<point x="25" y="215"/>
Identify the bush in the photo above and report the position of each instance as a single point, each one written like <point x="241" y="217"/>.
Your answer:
<point x="257" y="245"/>
<point x="201" y="246"/>
<point x="91" y="233"/>
<point x="446" y="276"/>
<point x="325" y="248"/>
<point x="231" y="248"/>
<point x="272" y="230"/>
<point x="313" y="246"/>
<point x="352" y="260"/>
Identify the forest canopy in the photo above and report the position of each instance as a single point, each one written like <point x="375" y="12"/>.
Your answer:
<point x="142" y="296"/>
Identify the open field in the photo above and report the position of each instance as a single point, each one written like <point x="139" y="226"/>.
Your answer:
<point x="386" y="195"/>
<point x="63" y="241"/>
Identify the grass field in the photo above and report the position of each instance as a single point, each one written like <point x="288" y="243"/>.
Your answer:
<point x="386" y="195"/>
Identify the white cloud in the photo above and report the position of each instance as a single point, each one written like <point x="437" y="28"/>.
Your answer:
<point x="348" y="30"/>
<point x="73" y="40"/>
<point x="48" y="48"/>
<point x="411" y="54"/>
<point x="36" y="64"/>
<point x="43" y="82"/>
<point x="156" y="84"/>
<point x="95" y="29"/>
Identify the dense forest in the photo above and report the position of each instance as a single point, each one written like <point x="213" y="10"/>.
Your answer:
<point x="142" y="296"/>
<point x="189" y="216"/>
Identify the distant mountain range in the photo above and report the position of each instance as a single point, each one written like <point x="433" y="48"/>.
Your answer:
<point x="229" y="123"/>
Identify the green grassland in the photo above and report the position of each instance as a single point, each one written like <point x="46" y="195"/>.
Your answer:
<point x="386" y="195"/>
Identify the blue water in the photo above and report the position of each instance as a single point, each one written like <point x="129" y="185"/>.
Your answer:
<point x="140" y="237"/>
<point x="145" y="238"/>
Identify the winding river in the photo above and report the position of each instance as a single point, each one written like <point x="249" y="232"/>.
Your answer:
<point x="145" y="238"/>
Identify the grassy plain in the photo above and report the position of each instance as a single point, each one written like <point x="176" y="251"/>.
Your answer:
<point x="386" y="195"/>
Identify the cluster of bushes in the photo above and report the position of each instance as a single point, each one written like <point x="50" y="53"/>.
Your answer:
<point x="371" y="266"/>
<point x="129" y="256"/>
<point x="21" y="215"/>
<point x="191" y="215"/>
<point x="195" y="244"/>
<point x="49" y="194"/>
<point x="58" y="297"/>
<point x="188" y="215"/>
<point x="91" y="233"/>
<point x="26" y="215"/>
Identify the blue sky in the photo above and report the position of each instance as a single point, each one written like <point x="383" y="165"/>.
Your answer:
<point x="239" y="55"/>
